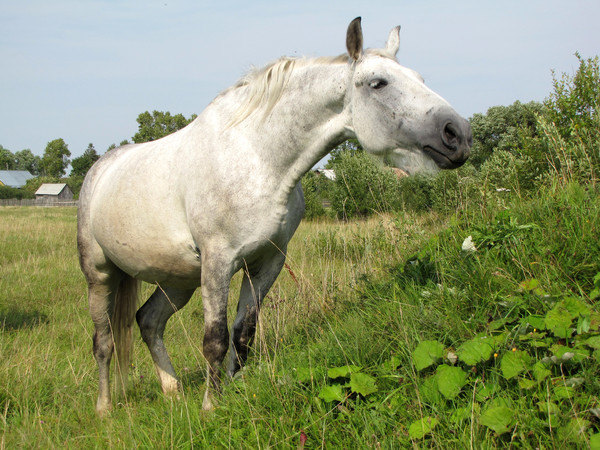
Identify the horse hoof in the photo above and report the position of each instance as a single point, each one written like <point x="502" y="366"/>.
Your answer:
<point x="103" y="410"/>
<point x="207" y="403"/>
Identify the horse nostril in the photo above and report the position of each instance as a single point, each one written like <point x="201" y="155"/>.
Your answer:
<point x="450" y="136"/>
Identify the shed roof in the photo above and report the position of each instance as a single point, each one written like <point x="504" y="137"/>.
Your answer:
<point x="50" y="189"/>
<point x="14" y="178"/>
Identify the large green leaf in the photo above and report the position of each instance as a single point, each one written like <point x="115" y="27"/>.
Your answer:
<point x="500" y="419"/>
<point x="429" y="391"/>
<point x="427" y="353"/>
<point x="558" y="320"/>
<point x="513" y="363"/>
<point x="536" y="322"/>
<point x="450" y="380"/>
<point x="343" y="371"/>
<point x="576" y="307"/>
<point x="595" y="441"/>
<point x="593" y="342"/>
<point x="476" y="350"/>
<point x="540" y="371"/>
<point x="422" y="427"/>
<point x="332" y="393"/>
<point x="363" y="384"/>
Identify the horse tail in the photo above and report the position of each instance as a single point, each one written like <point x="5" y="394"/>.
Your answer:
<point x="126" y="304"/>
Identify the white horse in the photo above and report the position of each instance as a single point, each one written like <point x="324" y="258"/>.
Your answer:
<point x="223" y="195"/>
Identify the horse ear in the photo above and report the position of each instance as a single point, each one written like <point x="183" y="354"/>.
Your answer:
<point x="393" y="43"/>
<point x="354" y="39"/>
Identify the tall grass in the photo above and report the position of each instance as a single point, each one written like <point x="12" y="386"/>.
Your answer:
<point x="361" y="293"/>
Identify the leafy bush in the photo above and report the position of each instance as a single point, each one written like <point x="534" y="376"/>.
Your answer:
<point x="362" y="187"/>
<point x="416" y="192"/>
<point x="314" y="187"/>
<point x="503" y="128"/>
<point x="570" y="126"/>
<point x="10" y="192"/>
<point x="506" y="170"/>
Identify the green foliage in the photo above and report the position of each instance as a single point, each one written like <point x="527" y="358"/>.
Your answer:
<point x="82" y="164"/>
<point x="502" y="128"/>
<point x="499" y="419"/>
<point x="10" y="192"/>
<point x="422" y="427"/>
<point x="25" y="160"/>
<point x="359" y="383"/>
<point x="476" y="350"/>
<point x="574" y="102"/>
<point x="314" y="187"/>
<point x="361" y="187"/>
<point x="55" y="159"/>
<point x="158" y="124"/>
<point x="427" y="353"/>
<point x="450" y="380"/>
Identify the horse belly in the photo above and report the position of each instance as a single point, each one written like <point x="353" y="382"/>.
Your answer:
<point x="153" y="253"/>
<point x="168" y="263"/>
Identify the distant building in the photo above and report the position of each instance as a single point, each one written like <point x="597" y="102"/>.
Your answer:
<point x="53" y="192"/>
<point x="14" y="178"/>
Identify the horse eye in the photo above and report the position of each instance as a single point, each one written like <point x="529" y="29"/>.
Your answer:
<point x="378" y="83"/>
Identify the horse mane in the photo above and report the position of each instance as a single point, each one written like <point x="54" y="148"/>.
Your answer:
<point x="265" y="85"/>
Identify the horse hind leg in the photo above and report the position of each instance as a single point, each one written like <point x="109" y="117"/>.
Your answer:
<point x="152" y="319"/>
<point x="112" y="301"/>
<point x="254" y="288"/>
<point x="101" y="304"/>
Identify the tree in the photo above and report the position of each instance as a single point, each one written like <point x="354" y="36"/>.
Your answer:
<point x="361" y="186"/>
<point x="82" y="164"/>
<point x="55" y="159"/>
<point x="503" y="128"/>
<point x="25" y="160"/>
<point x="159" y="124"/>
<point x="574" y="103"/>
<point x="7" y="159"/>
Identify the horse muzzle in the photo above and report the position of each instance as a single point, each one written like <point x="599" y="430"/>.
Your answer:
<point x="450" y="144"/>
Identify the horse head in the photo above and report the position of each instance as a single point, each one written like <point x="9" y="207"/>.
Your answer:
<point x="396" y="116"/>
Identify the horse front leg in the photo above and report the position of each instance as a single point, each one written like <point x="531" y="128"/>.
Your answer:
<point x="216" y="276"/>
<point x="255" y="286"/>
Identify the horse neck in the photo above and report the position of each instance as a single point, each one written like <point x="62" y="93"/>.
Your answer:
<point x="308" y="121"/>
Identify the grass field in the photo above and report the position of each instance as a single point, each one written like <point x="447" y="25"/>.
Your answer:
<point x="335" y="362"/>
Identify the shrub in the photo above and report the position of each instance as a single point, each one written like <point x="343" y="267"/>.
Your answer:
<point x="10" y="192"/>
<point x="416" y="192"/>
<point x="362" y="187"/>
<point x="456" y="189"/>
<point x="570" y="126"/>
<point x="314" y="188"/>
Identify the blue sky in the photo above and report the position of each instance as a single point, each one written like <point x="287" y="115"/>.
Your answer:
<point x="83" y="70"/>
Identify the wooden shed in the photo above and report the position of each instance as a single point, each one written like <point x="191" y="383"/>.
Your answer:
<point x="53" y="193"/>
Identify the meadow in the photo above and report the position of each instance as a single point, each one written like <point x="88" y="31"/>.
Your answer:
<point x="380" y="332"/>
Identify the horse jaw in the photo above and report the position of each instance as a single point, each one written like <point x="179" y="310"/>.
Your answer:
<point x="411" y="161"/>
